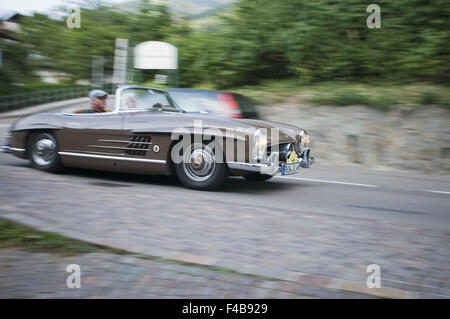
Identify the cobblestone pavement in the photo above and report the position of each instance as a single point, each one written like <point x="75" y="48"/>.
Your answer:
<point x="163" y="219"/>
<point x="104" y="275"/>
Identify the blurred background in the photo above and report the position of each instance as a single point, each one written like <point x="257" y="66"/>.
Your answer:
<point x="230" y="44"/>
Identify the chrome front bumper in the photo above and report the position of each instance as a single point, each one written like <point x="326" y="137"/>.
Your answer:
<point x="305" y="159"/>
<point x="13" y="150"/>
<point x="6" y="148"/>
<point x="272" y="166"/>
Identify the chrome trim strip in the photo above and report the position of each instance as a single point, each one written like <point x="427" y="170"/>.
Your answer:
<point x="9" y="149"/>
<point x="113" y="141"/>
<point x="134" y="111"/>
<point x="14" y="149"/>
<point x="127" y="142"/>
<point x="113" y="157"/>
<point x="119" y="148"/>
<point x="103" y="153"/>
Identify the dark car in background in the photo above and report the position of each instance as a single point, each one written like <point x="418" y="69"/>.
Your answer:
<point x="214" y="102"/>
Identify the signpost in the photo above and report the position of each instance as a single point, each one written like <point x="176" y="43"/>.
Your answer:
<point x="97" y="71"/>
<point x="120" y="61"/>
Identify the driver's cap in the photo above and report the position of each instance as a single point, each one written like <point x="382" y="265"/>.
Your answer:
<point x="97" y="93"/>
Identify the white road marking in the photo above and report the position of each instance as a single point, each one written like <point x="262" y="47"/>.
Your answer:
<point x="440" y="192"/>
<point x="325" y="181"/>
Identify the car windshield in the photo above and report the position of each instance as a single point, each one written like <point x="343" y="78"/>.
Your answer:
<point x="147" y="99"/>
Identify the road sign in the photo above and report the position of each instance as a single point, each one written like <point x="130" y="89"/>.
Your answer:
<point x="155" y="55"/>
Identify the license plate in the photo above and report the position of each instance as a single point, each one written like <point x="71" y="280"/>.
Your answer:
<point x="287" y="169"/>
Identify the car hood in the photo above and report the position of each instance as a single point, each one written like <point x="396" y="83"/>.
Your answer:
<point x="168" y="122"/>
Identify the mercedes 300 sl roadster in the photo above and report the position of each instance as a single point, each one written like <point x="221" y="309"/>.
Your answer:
<point x="147" y="133"/>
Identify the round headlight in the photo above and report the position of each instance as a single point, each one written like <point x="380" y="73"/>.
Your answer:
<point x="304" y="140"/>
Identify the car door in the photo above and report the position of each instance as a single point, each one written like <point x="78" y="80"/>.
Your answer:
<point x="140" y="129"/>
<point x="93" y="133"/>
<point x="143" y="119"/>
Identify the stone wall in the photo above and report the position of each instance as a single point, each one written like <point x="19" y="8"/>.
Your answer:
<point x="357" y="136"/>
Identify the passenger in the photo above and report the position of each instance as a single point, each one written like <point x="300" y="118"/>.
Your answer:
<point x="128" y="100"/>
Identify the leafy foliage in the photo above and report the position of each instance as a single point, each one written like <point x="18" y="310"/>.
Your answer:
<point x="71" y="50"/>
<point x="327" y="39"/>
<point x="307" y="41"/>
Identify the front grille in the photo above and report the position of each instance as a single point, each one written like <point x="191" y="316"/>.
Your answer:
<point x="283" y="149"/>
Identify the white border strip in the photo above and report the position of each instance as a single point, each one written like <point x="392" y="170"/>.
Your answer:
<point x="325" y="181"/>
<point x="113" y="157"/>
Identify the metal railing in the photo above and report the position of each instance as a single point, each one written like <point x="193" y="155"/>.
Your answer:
<point x="17" y="101"/>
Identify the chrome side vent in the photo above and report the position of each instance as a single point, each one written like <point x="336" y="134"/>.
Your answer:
<point x="138" y="145"/>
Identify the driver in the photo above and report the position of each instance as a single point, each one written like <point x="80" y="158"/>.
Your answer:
<point x="98" y="101"/>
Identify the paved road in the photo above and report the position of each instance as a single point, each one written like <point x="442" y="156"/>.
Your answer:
<point x="328" y="222"/>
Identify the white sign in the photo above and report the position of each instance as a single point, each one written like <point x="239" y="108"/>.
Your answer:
<point x="155" y="55"/>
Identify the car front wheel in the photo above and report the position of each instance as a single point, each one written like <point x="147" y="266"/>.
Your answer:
<point x="202" y="168"/>
<point x="43" y="151"/>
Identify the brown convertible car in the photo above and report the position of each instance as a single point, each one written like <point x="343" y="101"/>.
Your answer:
<point x="147" y="133"/>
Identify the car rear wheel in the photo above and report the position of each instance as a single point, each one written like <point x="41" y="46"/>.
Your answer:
<point x="43" y="151"/>
<point x="202" y="168"/>
<point x="255" y="177"/>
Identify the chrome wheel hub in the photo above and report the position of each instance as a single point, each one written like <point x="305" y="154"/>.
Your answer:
<point x="44" y="146"/>
<point x="199" y="163"/>
<point x="44" y="149"/>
